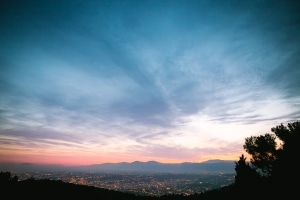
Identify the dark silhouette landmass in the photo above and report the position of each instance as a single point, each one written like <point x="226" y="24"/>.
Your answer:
<point x="44" y="188"/>
<point x="210" y="166"/>
<point x="56" y="189"/>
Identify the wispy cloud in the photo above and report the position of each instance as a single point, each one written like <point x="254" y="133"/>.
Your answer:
<point x="150" y="78"/>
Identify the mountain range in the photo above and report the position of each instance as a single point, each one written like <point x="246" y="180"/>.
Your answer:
<point x="210" y="166"/>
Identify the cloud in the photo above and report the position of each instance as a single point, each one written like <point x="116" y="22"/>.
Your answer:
<point x="119" y="76"/>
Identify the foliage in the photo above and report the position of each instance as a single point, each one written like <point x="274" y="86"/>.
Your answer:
<point x="263" y="151"/>
<point x="269" y="157"/>
<point x="274" y="158"/>
<point x="245" y="174"/>
<point x="7" y="177"/>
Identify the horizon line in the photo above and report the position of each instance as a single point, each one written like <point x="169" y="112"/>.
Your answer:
<point x="77" y="165"/>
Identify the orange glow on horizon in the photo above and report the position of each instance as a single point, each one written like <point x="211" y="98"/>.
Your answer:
<point x="72" y="160"/>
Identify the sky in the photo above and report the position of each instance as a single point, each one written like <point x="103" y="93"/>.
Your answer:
<point x="89" y="82"/>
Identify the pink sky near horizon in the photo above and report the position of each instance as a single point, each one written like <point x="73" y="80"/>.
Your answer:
<point x="75" y="159"/>
<point x="186" y="147"/>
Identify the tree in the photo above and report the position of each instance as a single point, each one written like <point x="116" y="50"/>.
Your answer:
<point x="7" y="183"/>
<point x="286" y="167"/>
<point x="276" y="162"/>
<point x="271" y="158"/>
<point x="245" y="174"/>
<point x="6" y="178"/>
<point x="263" y="151"/>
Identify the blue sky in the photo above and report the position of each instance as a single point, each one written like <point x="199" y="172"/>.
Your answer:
<point x="107" y="81"/>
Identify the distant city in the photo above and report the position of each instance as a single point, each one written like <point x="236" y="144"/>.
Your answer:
<point x="155" y="184"/>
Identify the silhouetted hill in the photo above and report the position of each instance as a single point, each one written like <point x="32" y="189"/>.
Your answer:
<point x="211" y="166"/>
<point x="56" y="189"/>
<point x="29" y="167"/>
<point x="52" y="189"/>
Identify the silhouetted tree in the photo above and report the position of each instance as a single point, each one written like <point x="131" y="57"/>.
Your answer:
<point x="7" y="177"/>
<point x="245" y="174"/>
<point x="286" y="169"/>
<point x="275" y="162"/>
<point x="8" y="184"/>
<point x="263" y="151"/>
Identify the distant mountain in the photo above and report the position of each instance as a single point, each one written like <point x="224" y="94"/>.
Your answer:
<point x="210" y="166"/>
<point x="29" y="167"/>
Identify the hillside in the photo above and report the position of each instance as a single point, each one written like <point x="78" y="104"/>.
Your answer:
<point x="38" y="189"/>
<point x="56" y="189"/>
<point x="50" y="189"/>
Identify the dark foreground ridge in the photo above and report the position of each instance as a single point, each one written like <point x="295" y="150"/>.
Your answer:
<point x="45" y="188"/>
<point x="11" y="188"/>
<point x="56" y="189"/>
